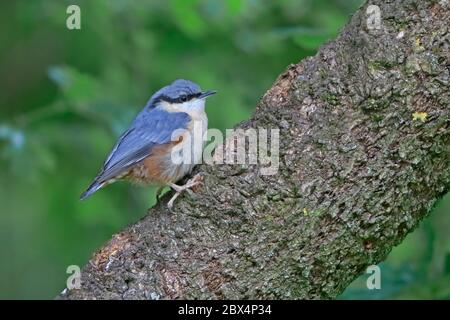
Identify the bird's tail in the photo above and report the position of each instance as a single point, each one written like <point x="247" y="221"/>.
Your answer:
<point x="91" y="189"/>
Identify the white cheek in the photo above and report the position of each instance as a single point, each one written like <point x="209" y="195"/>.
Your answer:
<point x="196" y="105"/>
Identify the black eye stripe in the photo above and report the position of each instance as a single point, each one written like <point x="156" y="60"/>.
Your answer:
<point x="179" y="99"/>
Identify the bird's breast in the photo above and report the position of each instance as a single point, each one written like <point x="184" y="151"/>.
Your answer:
<point x="170" y="162"/>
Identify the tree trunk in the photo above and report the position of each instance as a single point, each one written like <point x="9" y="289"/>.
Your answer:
<point x="364" y="136"/>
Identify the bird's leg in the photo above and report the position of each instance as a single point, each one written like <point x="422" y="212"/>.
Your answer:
<point x="196" y="180"/>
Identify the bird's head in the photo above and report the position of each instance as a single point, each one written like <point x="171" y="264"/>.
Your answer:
<point x="181" y="95"/>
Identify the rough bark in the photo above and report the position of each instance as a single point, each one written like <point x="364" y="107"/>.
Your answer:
<point x="358" y="171"/>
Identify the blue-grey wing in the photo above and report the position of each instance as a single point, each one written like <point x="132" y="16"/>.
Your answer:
<point x="149" y="129"/>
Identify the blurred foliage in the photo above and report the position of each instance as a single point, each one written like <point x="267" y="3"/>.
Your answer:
<point x="66" y="96"/>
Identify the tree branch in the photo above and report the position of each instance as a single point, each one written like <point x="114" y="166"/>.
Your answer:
<point x="364" y="136"/>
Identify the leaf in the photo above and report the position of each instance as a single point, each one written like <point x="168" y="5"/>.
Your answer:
<point x="234" y="6"/>
<point x="76" y="86"/>
<point x="310" y="41"/>
<point x="12" y="141"/>
<point x="186" y="16"/>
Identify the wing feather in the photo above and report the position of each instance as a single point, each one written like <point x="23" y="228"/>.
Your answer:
<point x="149" y="129"/>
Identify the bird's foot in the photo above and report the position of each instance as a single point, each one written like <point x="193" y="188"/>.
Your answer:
<point x="195" y="181"/>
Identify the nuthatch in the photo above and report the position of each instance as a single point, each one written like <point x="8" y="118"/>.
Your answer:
<point x="143" y="153"/>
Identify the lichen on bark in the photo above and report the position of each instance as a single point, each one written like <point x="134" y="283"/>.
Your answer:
<point x="357" y="173"/>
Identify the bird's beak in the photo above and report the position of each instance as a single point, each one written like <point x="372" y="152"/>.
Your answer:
<point x="207" y="94"/>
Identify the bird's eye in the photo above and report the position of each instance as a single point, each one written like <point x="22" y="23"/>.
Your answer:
<point x="183" y="98"/>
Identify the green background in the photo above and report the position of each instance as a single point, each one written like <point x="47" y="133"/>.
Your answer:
<point x="65" y="96"/>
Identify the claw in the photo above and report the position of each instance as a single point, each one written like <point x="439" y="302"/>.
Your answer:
<point x="196" y="180"/>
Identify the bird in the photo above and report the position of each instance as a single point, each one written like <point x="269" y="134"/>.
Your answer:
<point x="144" y="153"/>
